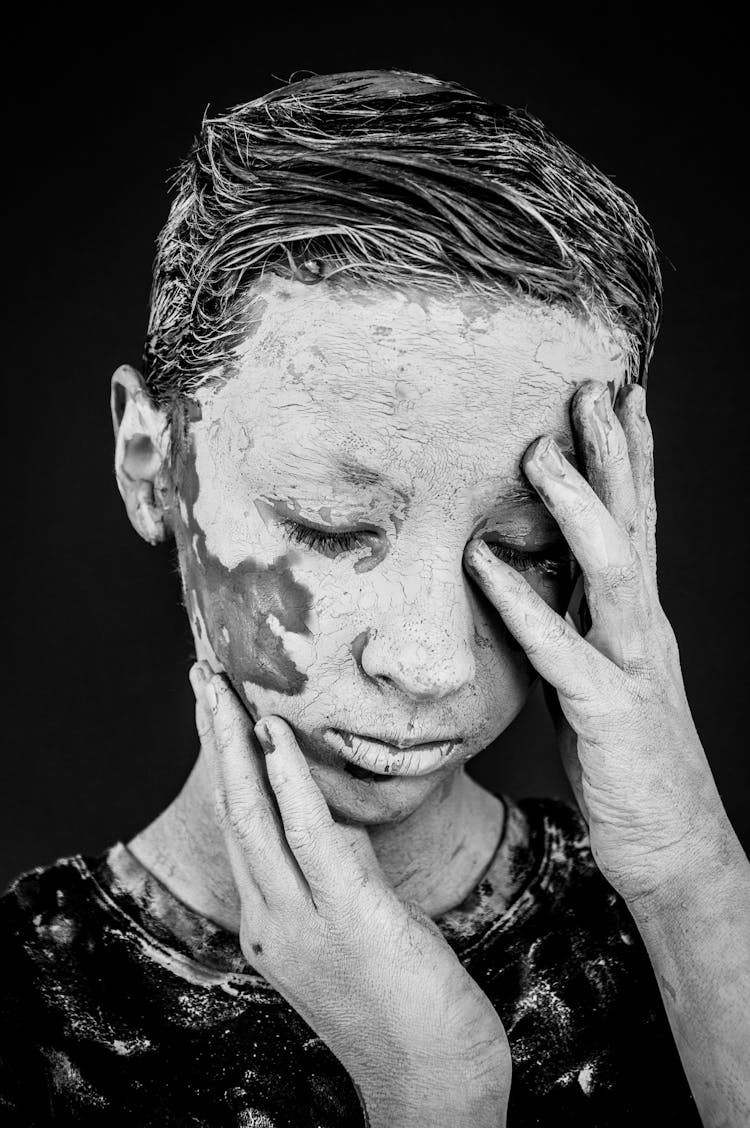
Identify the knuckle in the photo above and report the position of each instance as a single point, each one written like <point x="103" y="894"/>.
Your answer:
<point x="221" y="810"/>
<point x="621" y="575"/>
<point x="640" y="670"/>
<point x="617" y="577"/>
<point x="619" y="458"/>
<point x="553" y="634"/>
<point x="555" y="631"/>
<point x="302" y="836"/>
<point x="632" y="523"/>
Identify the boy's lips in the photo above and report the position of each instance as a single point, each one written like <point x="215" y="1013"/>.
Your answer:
<point x="409" y="758"/>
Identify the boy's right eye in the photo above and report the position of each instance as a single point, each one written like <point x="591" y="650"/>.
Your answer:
<point x="325" y="541"/>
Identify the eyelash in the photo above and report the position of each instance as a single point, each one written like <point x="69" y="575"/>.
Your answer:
<point x="322" y="542"/>
<point x="549" y="563"/>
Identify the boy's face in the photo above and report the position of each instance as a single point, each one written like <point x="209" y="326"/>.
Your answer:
<point x="328" y="492"/>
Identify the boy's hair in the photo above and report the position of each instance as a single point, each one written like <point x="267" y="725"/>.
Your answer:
<point x="388" y="177"/>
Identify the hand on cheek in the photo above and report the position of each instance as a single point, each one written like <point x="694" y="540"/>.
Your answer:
<point x="629" y="744"/>
<point x="320" y="921"/>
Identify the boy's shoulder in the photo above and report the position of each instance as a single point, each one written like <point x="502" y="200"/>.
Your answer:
<point x="44" y="904"/>
<point x="41" y="885"/>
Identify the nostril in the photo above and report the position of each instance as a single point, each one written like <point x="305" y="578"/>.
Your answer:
<point x="357" y="646"/>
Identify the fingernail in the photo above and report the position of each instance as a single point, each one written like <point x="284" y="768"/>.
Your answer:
<point x="478" y="554"/>
<point x="602" y="404"/>
<point x="195" y="678"/>
<point x="639" y="395"/>
<point x="212" y="696"/>
<point x="602" y="418"/>
<point x="548" y="454"/>
<point x="265" y="737"/>
<point x="640" y="405"/>
<point x="199" y="675"/>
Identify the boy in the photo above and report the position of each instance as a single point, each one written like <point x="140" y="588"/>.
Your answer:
<point x="392" y="413"/>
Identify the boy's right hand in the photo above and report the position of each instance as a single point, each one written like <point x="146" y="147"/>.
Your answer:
<point x="372" y="975"/>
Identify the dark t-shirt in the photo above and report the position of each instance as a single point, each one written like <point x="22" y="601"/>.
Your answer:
<point x="121" y="1005"/>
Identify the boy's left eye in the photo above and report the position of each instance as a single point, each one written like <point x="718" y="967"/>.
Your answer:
<point x="548" y="561"/>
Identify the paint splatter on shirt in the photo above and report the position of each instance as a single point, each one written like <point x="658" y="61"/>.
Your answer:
<point x="121" y="1005"/>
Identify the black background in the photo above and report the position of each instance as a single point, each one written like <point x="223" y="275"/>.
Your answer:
<point x="98" y="729"/>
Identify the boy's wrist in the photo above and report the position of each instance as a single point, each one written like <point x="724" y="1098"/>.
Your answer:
<point x="424" y="1093"/>
<point x="712" y="870"/>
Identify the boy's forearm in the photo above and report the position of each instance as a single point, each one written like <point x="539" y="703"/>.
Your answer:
<point x="697" y="934"/>
<point x="425" y="1093"/>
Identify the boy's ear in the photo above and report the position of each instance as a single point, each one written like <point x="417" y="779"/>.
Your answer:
<point x="141" y="453"/>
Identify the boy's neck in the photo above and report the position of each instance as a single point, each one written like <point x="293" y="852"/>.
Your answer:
<point x="435" y="856"/>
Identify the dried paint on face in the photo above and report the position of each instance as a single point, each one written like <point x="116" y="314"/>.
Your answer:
<point x="330" y="488"/>
<point x="248" y="606"/>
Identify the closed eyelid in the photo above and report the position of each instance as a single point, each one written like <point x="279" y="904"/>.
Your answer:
<point x="297" y="512"/>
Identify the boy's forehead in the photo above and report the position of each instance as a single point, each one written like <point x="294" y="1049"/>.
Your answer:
<point x="401" y="366"/>
<point x="352" y="326"/>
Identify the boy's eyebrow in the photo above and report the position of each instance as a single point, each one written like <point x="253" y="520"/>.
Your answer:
<point x="520" y="492"/>
<point x="357" y="474"/>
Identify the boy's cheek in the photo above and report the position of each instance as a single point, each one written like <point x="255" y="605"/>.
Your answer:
<point x="251" y="620"/>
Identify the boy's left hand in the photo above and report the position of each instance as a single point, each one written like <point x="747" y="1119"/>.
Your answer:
<point x="628" y="741"/>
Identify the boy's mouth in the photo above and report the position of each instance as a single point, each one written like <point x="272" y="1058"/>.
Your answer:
<point x="368" y="758"/>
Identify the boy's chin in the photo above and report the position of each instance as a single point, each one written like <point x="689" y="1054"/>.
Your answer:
<point x="372" y="801"/>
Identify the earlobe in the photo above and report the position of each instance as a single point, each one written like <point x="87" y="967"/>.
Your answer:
<point x="141" y="454"/>
<point x="146" y="515"/>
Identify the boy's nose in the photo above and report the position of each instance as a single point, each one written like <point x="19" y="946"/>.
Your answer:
<point x="423" y="668"/>
<point x="424" y="648"/>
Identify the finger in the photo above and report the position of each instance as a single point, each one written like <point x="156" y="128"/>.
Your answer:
<point x="246" y="805"/>
<point x="631" y="411"/>
<point x="199" y="674"/>
<point x="616" y="592"/>
<point x="203" y="721"/>
<point x="553" y="646"/>
<point x="605" y="451"/>
<point x="253" y="901"/>
<point x="330" y="867"/>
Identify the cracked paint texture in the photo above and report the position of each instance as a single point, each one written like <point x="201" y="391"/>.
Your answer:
<point x="401" y="418"/>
